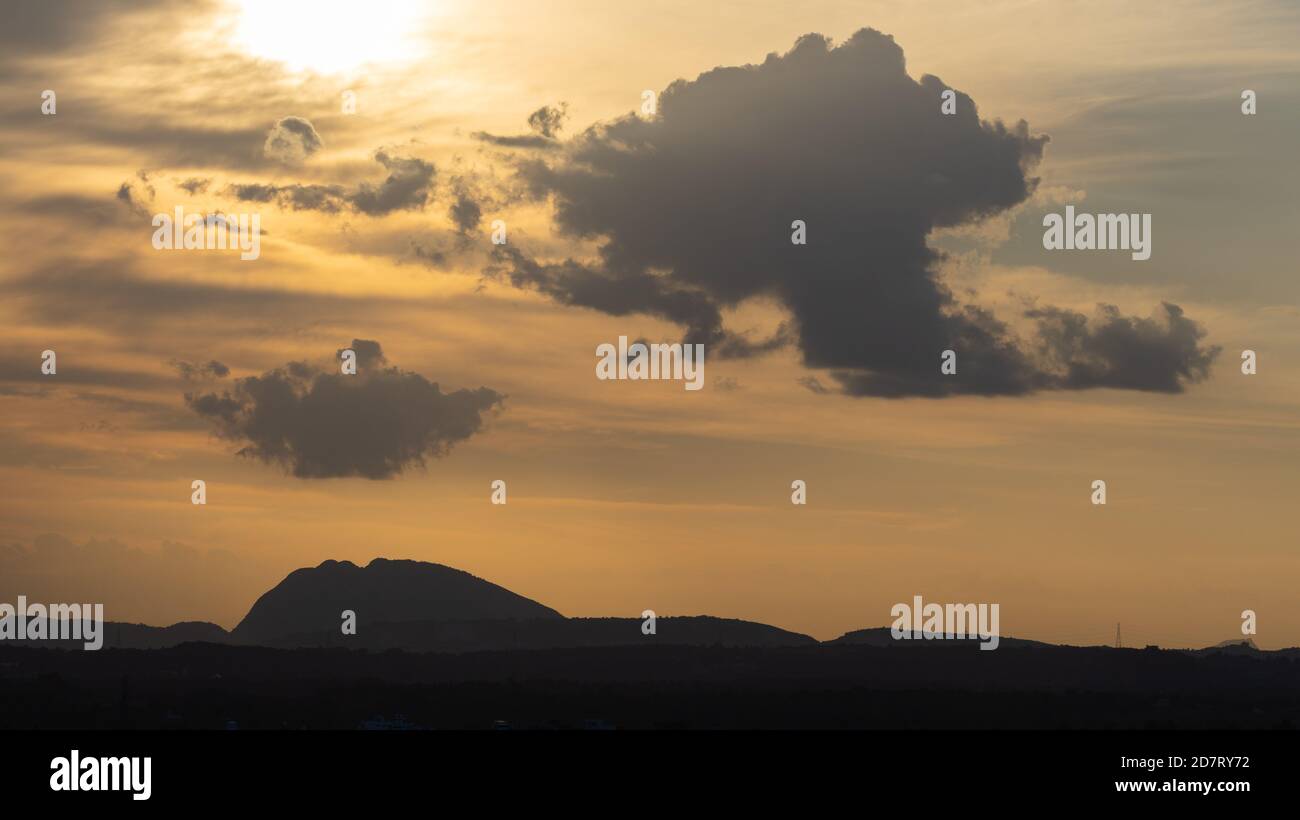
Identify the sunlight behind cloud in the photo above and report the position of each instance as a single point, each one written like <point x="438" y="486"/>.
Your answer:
<point x="329" y="36"/>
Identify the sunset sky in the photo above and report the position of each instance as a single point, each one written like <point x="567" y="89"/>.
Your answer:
<point x="822" y="361"/>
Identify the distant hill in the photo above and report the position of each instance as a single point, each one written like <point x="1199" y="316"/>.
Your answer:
<point x="384" y="591"/>
<point x="140" y="636"/>
<point x="1233" y="646"/>
<point x="418" y="606"/>
<point x="1236" y="642"/>
<point x="881" y="636"/>
<point x="550" y="633"/>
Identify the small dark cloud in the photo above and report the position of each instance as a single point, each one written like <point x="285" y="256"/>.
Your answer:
<point x="253" y="191"/>
<point x="548" y="120"/>
<point x="137" y="195"/>
<point x="324" y="198"/>
<point x="518" y="141"/>
<point x="1158" y="354"/>
<point x="465" y="211"/>
<point x="126" y="196"/>
<point x="194" y="185"/>
<point x="408" y="186"/>
<point x="292" y="141"/>
<point x="428" y="254"/>
<point x="545" y="123"/>
<point x="200" y="372"/>
<point x="369" y="354"/>
<point x="813" y="384"/>
<point x="320" y="423"/>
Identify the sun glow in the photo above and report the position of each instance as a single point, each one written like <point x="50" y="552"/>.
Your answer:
<point x="330" y="36"/>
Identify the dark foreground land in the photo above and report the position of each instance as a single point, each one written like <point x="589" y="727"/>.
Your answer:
<point x="213" y="686"/>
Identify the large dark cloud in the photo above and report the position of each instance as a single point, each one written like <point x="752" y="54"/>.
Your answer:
<point x="693" y="211"/>
<point x="321" y="423"/>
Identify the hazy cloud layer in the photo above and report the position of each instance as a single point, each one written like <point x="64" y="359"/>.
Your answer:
<point x="694" y="209"/>
<point x="53" y="25"/>
<point x="112" y="294"/>
<point x="170" y="583"/>
<point x="321" y="423"/>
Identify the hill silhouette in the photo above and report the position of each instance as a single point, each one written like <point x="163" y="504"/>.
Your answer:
<point x="448" y="650"/>
<point x="549" y="633"/>
<point x="417" y="606"/>
<point x="883" y="636"/>
<point x="384" y="591"/>
<point x="651" y="685"/>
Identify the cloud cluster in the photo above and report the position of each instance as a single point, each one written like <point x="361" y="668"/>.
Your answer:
<point x="321" y="423"/>
<point x="408" y="186"/>
<point x="694" y="211"/>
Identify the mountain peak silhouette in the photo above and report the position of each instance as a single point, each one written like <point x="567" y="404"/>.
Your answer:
<point x="384" y="591"/>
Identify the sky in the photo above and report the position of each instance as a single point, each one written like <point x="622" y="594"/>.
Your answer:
<point x="379" y="146"/>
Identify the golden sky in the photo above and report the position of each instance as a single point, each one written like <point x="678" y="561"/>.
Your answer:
<point x="626" y="496"/>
